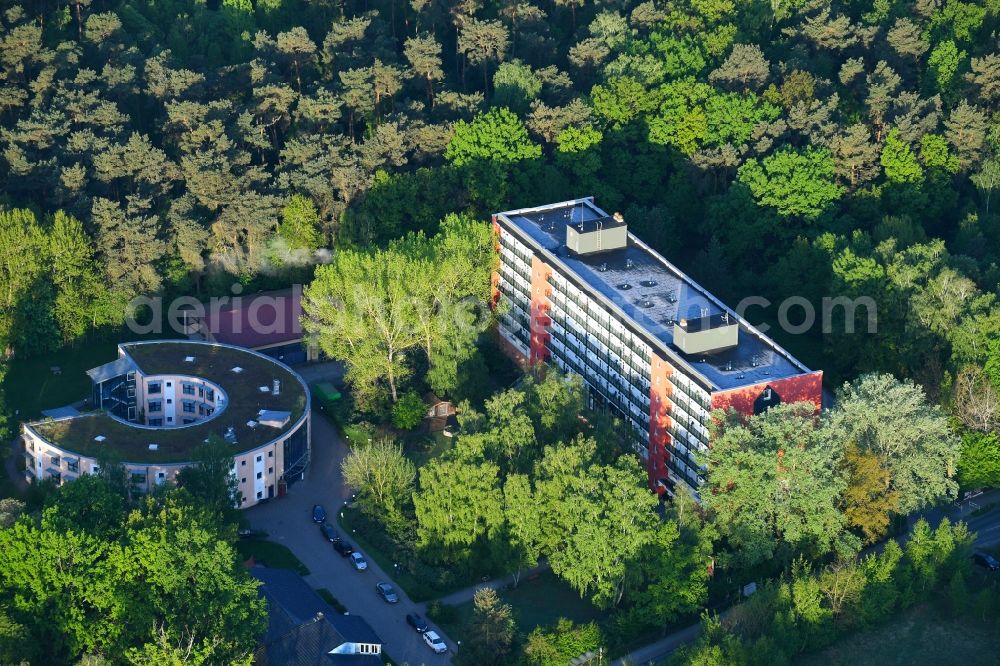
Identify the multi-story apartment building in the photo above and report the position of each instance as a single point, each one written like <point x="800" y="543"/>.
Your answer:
<point x="159" y="400"/>
<point x="576" y="290"/>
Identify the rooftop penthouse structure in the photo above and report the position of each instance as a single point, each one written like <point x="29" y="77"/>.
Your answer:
<point x="575" y="289"/>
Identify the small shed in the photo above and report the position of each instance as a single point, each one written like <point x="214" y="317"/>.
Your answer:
<point x="438" y="412"/>
<point x="438" y="408"/>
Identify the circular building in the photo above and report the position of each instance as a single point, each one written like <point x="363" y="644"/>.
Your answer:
<point x="160" y="400"/>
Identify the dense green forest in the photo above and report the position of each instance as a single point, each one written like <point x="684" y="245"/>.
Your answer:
<point x="773" y="148"/>
<point x="785" y="148"/>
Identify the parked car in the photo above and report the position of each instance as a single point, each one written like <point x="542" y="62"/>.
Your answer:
<point x="319" y="513"/>
<point x="986" y="561"/>
<point x="330" y="533"/>
<point x="434" y="642"/>
<point x="343" y="548"/>
<point x="386" y="591"/>
<point x="358" y="560"/>
<point x="417" y="622"/>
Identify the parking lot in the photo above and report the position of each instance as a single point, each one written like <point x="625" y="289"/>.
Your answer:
<point x="288" y="521"/>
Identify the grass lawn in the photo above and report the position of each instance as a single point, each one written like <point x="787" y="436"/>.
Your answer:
<point x="332" y="600"/>
<point x="270" y="554"/>
<point x="536" y="602"/>
<point x="919" y="637"/>
<point x="30" y="386"/>
<point x="424" y="448"/>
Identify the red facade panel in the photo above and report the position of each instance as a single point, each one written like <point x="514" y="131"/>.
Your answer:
<point x="801" y="388"/>
<point x="540" y="290"/>
<point x="659" y="422"/>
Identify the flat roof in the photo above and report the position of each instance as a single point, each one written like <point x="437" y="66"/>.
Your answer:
<point x="652" y="295"/>
<point x="115" y="368"/>
<point x="212" y="362"/>
<point x="257" y="320"/>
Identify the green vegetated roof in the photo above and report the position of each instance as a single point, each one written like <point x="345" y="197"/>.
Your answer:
<point x="214" y="363"/>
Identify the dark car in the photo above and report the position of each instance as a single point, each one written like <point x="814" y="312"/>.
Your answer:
<point x="417" y="622"/>
<point x="319" y="513"/>
<point x="343" y="548"/>
<point x="986" y="561"/>
<point x="330" y="533"/>
<point x="386" y="591"/>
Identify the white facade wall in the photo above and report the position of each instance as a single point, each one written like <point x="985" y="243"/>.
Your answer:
<point x="47" y="460"/>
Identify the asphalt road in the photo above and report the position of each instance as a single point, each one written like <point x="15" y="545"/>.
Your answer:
<point x="288" y="521"/>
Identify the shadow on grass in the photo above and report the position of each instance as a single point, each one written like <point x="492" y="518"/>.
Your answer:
<point x="271" y="554"/>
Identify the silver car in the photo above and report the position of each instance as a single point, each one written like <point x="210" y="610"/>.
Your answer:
<point x="358" y="560"/>
<point x="434" y="642"/>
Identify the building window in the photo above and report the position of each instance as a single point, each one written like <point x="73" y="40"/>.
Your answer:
<point x="259" y="458"/>
<point x="169" y="384"/>
<point x="243" y="463"/>
<point x="201" y="391"/>
<point x="187" y="389"/>
<point x="156" y="422"/>
<point x="155" y="406"/>
<point x="170" y="419"/>
<point x="188" y="407"/>
<point x="270" y="470"/>
<point x="259" y="474"/>
<point x="210" y="395"/>
<point x="138" y="477"/>
<point x="153" y="388"/>
<point x="270" y="454"/>
<point x="243" y="480"/>
<point x="170" y="401"/>
<point x="72" y="465"/>
<point x="189" y="421"/>
<point x="260" y="493"/>
<point x="56" y="460"/>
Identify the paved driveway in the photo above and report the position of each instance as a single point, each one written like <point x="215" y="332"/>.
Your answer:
<point x="288" y="521"/>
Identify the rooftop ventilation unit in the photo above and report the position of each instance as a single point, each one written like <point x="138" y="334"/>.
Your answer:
<point x="601" y="235"/>
<point x="264" y="389"/>
<point x="707" y="334"/>
<point x="237" y="370"/>
<point x="230" y="435"/>
<point x="154" y="447"/>
<point x="189" y="359"/>
<point x="100" y="438"/>
<point x="276" y="388"/>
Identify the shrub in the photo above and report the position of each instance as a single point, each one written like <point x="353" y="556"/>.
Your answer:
<point x="442" y="613"/>
<point x="409" y="412"/>
<point x="561" y="643"/>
